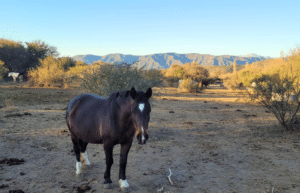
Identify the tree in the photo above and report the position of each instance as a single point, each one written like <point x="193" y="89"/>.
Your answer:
<point x="175" y="71"/>
<point x="195" y="71"/>
<point x="67" y="62"/>
<point x="38" y="50"/>
<point x="14" y="55"/>
<point x="247" y="65"/>
<point x="3" y="69"/>
<point x="80" y="63"/>
<point x="292" y="68"/>
<point x="234" y="67"/>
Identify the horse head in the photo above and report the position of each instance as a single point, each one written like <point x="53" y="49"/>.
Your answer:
<point x="141" y="109"/>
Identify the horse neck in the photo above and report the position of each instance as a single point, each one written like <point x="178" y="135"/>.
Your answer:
<point x="125" y="111"/>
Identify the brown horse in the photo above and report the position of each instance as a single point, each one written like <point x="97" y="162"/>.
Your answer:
<point x="110" y="121"/>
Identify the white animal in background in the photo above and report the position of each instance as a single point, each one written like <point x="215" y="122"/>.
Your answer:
<point x="16" y="75"/>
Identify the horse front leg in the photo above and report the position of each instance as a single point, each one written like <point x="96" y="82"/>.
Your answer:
<point x="109" y="162"/>
<point x="123" y="162"/>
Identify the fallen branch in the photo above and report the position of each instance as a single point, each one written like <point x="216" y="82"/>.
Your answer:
<point x="169" y="177"/>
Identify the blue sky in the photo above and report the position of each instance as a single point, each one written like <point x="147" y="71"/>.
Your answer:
<point x="148" y="27"/>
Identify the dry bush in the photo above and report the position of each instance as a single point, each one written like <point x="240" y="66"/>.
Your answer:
<point x="286" y="66"/>
<point x="173" y="74"/>
<point x="231" y="82"/>
<point x="50" y="73"/>
<point x="154" y="76"/>
<point x="171" y="81"/>
<point x="188" y="85"/>
<point x="108" y="78"/>
<point x="189" y="70"/>
<point x="195" y="72"/>
<point x="74" y="74"/>
<point x="274" y="93"/>
<point x="175" y="71"/>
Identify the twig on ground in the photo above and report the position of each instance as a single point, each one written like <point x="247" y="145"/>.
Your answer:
<point x="169" y="177"/>
<point x="189" y="162"/>
<point x="160" y="190"/>
<point x="37" y="146"/>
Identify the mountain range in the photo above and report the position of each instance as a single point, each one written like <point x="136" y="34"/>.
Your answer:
<point x="165" y="60"/>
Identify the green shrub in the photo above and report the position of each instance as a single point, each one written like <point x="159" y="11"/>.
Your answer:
<point x="274" y="93"/>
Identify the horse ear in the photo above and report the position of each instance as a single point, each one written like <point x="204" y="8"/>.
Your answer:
<point x="132" y="93"/>
<point x="148" y="93"/>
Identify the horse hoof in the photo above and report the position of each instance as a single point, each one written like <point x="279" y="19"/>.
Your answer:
<point x="125" y="189"/>
<point x="107" y="186"/>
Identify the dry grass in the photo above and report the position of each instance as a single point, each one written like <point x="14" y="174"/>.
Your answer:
<point x="215" y="94"/>
<point x="212" y="142"/>
<point x="17" y="94"/>
<point x="9" y="104"/>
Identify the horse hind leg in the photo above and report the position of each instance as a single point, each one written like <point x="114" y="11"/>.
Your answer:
<point x="83" y="153"/>
<point x="76" y="148"/>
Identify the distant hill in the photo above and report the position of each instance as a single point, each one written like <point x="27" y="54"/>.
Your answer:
<point x="164" y="61"/>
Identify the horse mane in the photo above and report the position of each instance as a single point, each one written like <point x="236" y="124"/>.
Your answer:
<point x="120" y="94"/>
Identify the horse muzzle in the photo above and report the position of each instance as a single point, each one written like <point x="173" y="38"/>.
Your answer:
<point x="142" y="138"/>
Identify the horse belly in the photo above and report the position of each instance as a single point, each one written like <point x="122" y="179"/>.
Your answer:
<point x="88" y="132"/>
<point x="84" y="118"/>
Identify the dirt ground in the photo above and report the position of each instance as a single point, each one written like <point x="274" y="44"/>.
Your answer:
<point x="211" y="142"/>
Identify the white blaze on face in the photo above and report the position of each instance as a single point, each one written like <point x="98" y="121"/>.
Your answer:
<point x="143" y="137"/>
<point x="141" y="106"/>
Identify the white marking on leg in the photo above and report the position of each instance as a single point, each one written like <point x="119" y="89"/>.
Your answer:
<point x="78" y="167"/>
<point x="141" y="106"/>
<point x="84" y="158"/>
<point x="123" y="183"/>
